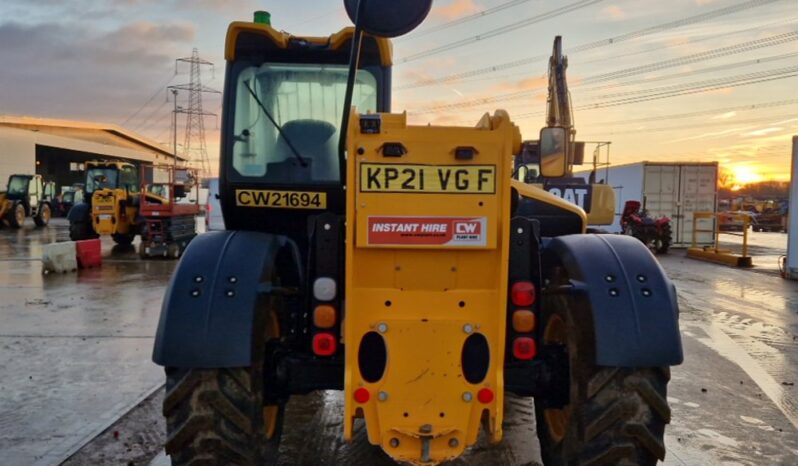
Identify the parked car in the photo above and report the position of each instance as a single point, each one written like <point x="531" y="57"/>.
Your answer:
<point x="213" y="208"/>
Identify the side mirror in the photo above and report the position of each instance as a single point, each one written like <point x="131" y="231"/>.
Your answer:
<point x="553" y="152"/>
<point x="387" y="18"/>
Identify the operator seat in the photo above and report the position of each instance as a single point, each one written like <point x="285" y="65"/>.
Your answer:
<point x="317" y="142"/>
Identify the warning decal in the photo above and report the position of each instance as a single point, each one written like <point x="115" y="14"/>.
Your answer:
<point x="427" y="231"/>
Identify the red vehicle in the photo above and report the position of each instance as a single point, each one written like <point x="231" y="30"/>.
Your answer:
<point x="654" y="233"/>
<point x="168" y="209"/>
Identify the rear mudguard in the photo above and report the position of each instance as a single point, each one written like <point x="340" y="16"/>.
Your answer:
<point x="79" y="213"/>
<point x="632" y="302"/>
<point x="208" y="311"/>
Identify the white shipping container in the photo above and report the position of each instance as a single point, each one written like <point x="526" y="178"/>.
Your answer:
<point x="674" y="190"/>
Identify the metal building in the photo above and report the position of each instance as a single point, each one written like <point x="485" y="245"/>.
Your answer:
<point x="57" y="149"/>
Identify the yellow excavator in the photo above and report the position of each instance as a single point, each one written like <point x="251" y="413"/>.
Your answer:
<point x="404" y="266"/>
<point x="596" y="199"/>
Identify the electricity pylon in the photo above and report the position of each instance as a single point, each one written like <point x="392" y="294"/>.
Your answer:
<point x="194" y="149"/>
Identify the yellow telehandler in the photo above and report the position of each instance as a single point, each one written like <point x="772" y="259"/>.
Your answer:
<point x="397" y="263"/>
<point x="110" y="206"/>
<point x="27" y="196"/>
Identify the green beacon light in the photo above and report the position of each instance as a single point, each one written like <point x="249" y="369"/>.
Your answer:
<point x="263" y="17"/>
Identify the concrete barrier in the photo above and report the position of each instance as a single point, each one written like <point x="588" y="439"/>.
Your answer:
<point x="59" y="257"/>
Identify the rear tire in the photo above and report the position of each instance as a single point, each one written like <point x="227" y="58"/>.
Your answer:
<point x="123" y="239"/>
<point x="219" y="416"/>
<point x="43" y="216"/>
<point x="79" y="231"/>
<point x="16" y="218"/>
<point x="613" y="416"/>
<point x="665" y="239"/>
<point x="216" y="417"/>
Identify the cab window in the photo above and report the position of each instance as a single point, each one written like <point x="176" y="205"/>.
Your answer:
<point x="306" y="101"/>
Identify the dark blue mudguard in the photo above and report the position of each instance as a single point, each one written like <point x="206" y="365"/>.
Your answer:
<point x="79" y="212"/>
<point x="632" y="302"/>
<point x="208" y="311"/>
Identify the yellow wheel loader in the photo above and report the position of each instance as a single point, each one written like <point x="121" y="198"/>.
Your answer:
<point x="397" y="263"/>
<point x="27" y="196"/>
<point x="110" y="206"/>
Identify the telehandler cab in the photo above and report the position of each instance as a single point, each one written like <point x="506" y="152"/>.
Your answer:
<point x="110" y="203"/>
<point x="27" y="196"/>
<point x="399" y="267"/>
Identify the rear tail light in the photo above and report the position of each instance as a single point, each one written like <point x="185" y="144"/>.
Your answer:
<point x="324" y="289"/>
<point x="523" y="321"/>
<point x="522" y="293"/>
<point x="362" y="395"/>
<point x="524" y="348"/>
<point x="485" y="396"/>
<point x="324" y="344"/>
<point x="324" y="316"/>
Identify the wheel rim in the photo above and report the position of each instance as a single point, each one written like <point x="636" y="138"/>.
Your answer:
<point x="271" y="412"/>
<point x="556" y="418"/>
<point x="20" y="213"/>
<point x="45" y="214"/>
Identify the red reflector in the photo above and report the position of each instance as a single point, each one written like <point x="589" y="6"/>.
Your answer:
<point x="524" y="348"/>
<point x="485" y="395"/>
<point x="362" y="395"/>
<point x="523" y="293"/>
<point x="324" y="344"/>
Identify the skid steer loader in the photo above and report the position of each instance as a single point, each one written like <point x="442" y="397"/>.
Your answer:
<point x="394" y="262"/>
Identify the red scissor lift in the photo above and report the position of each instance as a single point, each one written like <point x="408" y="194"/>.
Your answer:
<point x="168" y="209"/>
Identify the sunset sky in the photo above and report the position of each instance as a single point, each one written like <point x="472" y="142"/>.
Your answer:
<point x="677" y="80"/>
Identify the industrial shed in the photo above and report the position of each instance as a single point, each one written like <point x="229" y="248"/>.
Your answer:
<point x="57" y="149"/>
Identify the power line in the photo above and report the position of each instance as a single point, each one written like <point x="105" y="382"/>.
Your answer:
<point x="714" y="111"/>
<point x="155" y="94"/>
<point x="595" y="44"/>
<point x="326" y="14"/>
<point x="463" y="20"/>
<point x="150" y="124"/>
<point x="692" y="40"/>
<point x="711" y="124"/>
<point x="701" y="56"/>
<point x="681" y="89"/>
<point x="505" y="29"/>
<point x="642" y="69"/>
<point x="145" y="122"/>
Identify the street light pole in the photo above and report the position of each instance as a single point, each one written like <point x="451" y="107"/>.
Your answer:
<point x="174" y="128"/>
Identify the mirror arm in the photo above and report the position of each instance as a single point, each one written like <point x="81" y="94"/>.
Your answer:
<point x="354" y="61"/>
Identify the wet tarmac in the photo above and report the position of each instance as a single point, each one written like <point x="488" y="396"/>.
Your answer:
<point x="76" y="356"/>
<point x="75" y="348"/>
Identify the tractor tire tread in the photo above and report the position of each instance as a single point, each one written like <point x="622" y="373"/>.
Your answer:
<point x="617" y="415"/>
<point x="627" y="411"/>
<point x="212" y="417"/>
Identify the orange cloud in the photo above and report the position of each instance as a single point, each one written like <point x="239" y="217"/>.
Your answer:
<point x="614" y="11"/>
<point x="455" y="9"/>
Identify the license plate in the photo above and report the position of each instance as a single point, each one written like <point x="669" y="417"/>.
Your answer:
<point x="105" y="217"/>
<point x="446" y="179"/>
<point x="281" y="199"/>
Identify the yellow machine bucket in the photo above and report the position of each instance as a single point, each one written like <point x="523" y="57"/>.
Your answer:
<point x="426" y="282"/>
